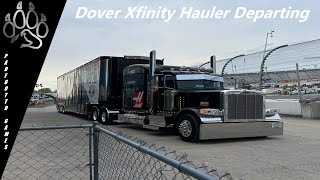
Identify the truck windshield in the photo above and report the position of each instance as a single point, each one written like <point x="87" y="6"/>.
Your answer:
<point x="199" y="85"/>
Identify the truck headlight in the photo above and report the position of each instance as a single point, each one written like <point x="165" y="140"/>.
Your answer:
<point x="211" y="112"/>
<point x="271" y="112"/>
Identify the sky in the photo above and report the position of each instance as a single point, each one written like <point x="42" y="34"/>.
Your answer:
<point x="185" y="42"/>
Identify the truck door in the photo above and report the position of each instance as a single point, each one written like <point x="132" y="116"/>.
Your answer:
<point x="166" y="82"/>
<point x="134" y="95"/>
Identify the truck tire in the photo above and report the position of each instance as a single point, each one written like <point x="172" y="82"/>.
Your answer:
<point x="61" y="109"/>
<point x="95" y="114"/>
<point x="58" y="108"/>
<point x="188" y="128"/>
<point x="104" y="119"/>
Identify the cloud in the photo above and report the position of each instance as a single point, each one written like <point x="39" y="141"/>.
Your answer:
<point x="180" y="42"/>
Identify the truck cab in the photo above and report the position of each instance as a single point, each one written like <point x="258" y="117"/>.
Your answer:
<point x="173" y="89"/>
<point x="195" y="103"/>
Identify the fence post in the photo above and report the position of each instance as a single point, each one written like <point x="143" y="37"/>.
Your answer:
<point x="298" y="79"/>
<point x="90" y="151"/>
<point x="95" y="152"/>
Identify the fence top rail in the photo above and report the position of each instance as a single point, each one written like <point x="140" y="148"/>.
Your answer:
<point x="184" y="168"/>
<point x="55" y="127"/>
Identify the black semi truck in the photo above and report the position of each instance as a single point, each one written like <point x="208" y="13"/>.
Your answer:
<point x="155" y="96"/>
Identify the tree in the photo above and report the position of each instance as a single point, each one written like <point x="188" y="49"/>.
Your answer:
<point x="45" y="90"/>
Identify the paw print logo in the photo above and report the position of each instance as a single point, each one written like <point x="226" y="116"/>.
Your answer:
<point x="31" y="30"/>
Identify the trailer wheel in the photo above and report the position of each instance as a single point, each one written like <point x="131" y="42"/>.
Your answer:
<point x="188" y="128"/>
<point x="104" y="118"/>
<point x="95" y="114"/>
<point x="58" y="108"/>
<point x="61" y="109"/>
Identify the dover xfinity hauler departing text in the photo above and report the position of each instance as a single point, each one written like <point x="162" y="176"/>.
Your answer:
<point x="128" y="89"/>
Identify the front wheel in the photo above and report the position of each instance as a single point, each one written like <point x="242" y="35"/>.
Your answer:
<point x="105" y="119"/>
<point x="188" y="128"/>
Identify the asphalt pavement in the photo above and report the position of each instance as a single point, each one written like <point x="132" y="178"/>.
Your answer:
<point x="295" y="155"/>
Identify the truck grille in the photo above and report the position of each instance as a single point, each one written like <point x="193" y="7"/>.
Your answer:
<point x="245" y="106"/>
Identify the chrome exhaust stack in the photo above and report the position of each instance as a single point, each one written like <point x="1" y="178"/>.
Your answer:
<point x="152" y="66"/>
<point x="213" y="63"/>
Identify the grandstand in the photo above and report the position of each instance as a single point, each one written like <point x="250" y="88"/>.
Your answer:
<point x="279" y="66"/>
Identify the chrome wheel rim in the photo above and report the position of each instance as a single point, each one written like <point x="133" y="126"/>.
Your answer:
<point x="95" y="115"/>
<point x="103" y="116"/>
<point x="185" y="128"/>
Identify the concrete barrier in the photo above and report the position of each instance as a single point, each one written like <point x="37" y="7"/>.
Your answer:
<point x="293" y="107"/>
<point x="311" y="110"/>
<point x="286" y="106"/>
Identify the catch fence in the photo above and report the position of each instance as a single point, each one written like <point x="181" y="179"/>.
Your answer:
<point x="96" y="152"/>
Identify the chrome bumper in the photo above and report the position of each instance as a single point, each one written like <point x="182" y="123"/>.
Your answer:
<point x="240" y="130"/>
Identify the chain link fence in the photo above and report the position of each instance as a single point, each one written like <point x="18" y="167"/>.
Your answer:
<point x="94" y="152"/>
<point x="50" y="153"/>
<point x="124" y="157"/>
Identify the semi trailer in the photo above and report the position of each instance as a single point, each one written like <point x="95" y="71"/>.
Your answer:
<point x="155" y="96"/>
<point x="95" y="85"/>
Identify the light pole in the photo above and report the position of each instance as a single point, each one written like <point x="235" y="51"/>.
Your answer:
<point x="265" y="46"/>
<point x="264" y="53"/>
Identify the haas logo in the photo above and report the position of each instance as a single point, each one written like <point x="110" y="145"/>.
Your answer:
<point x="28" y="29"/>
<point x="138" y="100"/>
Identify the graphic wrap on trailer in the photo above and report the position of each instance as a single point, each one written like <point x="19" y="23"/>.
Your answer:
<point x="94" y="88"/>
